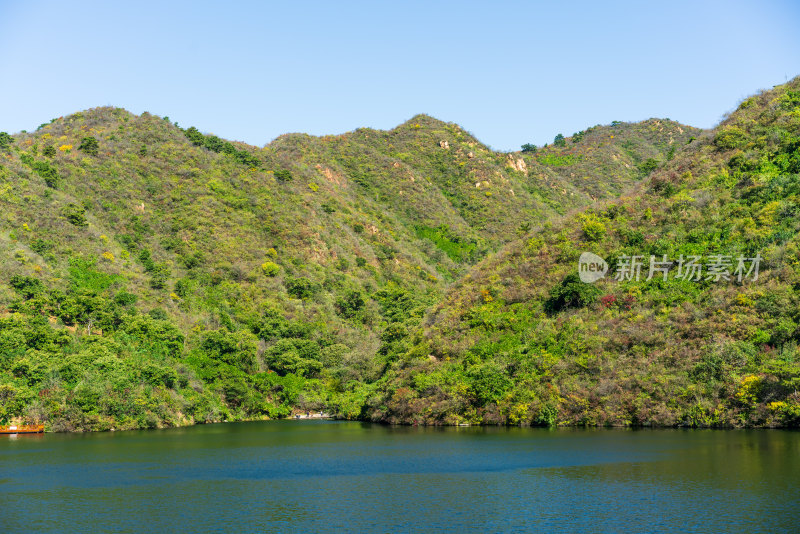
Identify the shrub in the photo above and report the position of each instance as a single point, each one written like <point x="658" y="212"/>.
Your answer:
<point x="5" y="140"/>
<point x="195" y="136"/>
<point x="488" y="382"/>
<point x="147" y="260"/>
<point x="342" y="264"/>
<point x="42" y="246"/>
<point x="238" y="349"/>
<point x="159" y="276"/>
<point x="89" y="145"/>
<point x="215" y="144"/>
<point x="631" y="237"/>
<point x="350" y="304"/>
<point x="790" y="100"/>
<point x="648" y="166"/>
<point x="571" y="293"/>
<point x="27" y="286"/>
<point x="284" y="175"/>
<point x="43" y="169"/>
<point x="270" y="268"/>
<point x="608" y="301"/>
<point x="158" y="314"/>
<point x="559" y="140"/>
<point x="123" y="298"/>
<point x="75" y="214"/>
<point x="182" y="287"/>
<point x="593" y="229"/>
<point x="155" y="331"/>
<point x="300" y="357"/>
<point x="730" y="138"/>
<point x="300" y="287"/>
<point x="529" y="148"/>
<point x="49" y="151"/>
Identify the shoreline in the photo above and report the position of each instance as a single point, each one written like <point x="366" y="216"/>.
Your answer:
<point x="321" y="416"/>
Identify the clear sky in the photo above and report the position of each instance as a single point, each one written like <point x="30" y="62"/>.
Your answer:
<point x="509" y="72"/>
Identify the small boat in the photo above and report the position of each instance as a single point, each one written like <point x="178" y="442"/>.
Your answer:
<point x="22" y="429"/>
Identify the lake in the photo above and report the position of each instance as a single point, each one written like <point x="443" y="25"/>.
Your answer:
<point x="316" y="476"/>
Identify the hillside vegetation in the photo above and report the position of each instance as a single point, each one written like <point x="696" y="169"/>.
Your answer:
<point x="521" y="340"/>
<point x="156" y="276"/>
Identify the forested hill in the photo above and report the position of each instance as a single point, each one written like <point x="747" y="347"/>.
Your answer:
<point x="154" y="275"/>
<point x="522" y="340"/>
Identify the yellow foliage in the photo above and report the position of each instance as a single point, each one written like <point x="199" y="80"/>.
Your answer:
<point x="108" y="256"/>
<point x="270" y="268"/>
<point x="517" y="413"/>
<point x="748" y="389"/>
<point x="682" y="199"/>
<point x="65" y="148"/>
<point x="768" y="213"/>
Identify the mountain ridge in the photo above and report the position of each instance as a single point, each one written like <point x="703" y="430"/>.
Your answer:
<point x="520" y="340"/>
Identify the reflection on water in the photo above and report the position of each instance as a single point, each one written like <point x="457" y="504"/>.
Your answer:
<point x="320" y="476"/>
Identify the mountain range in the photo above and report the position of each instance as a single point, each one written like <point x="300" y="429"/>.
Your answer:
<point x="157" y="276"/>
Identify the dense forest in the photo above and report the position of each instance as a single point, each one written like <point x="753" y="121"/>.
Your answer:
<point x="155" y="275"/>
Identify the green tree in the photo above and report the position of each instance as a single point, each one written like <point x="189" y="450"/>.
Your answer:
<point x="648" y="166"/>
<point x="75" y="214"/>
<point x="300" y="287"/>
<point x="5" y="140"/>
<point x="571" y="293"/>
<point x="350" y="304"/>
<point x="238" y="349"/>
<point x="89" y="145"/>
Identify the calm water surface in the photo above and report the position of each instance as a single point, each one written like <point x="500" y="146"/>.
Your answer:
<point x="312" y="476"/>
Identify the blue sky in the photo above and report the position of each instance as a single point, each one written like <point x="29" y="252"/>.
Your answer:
<point x="509" y="72"/>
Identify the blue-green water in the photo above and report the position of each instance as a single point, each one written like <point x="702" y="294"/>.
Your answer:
<point x="338" y="476"/>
